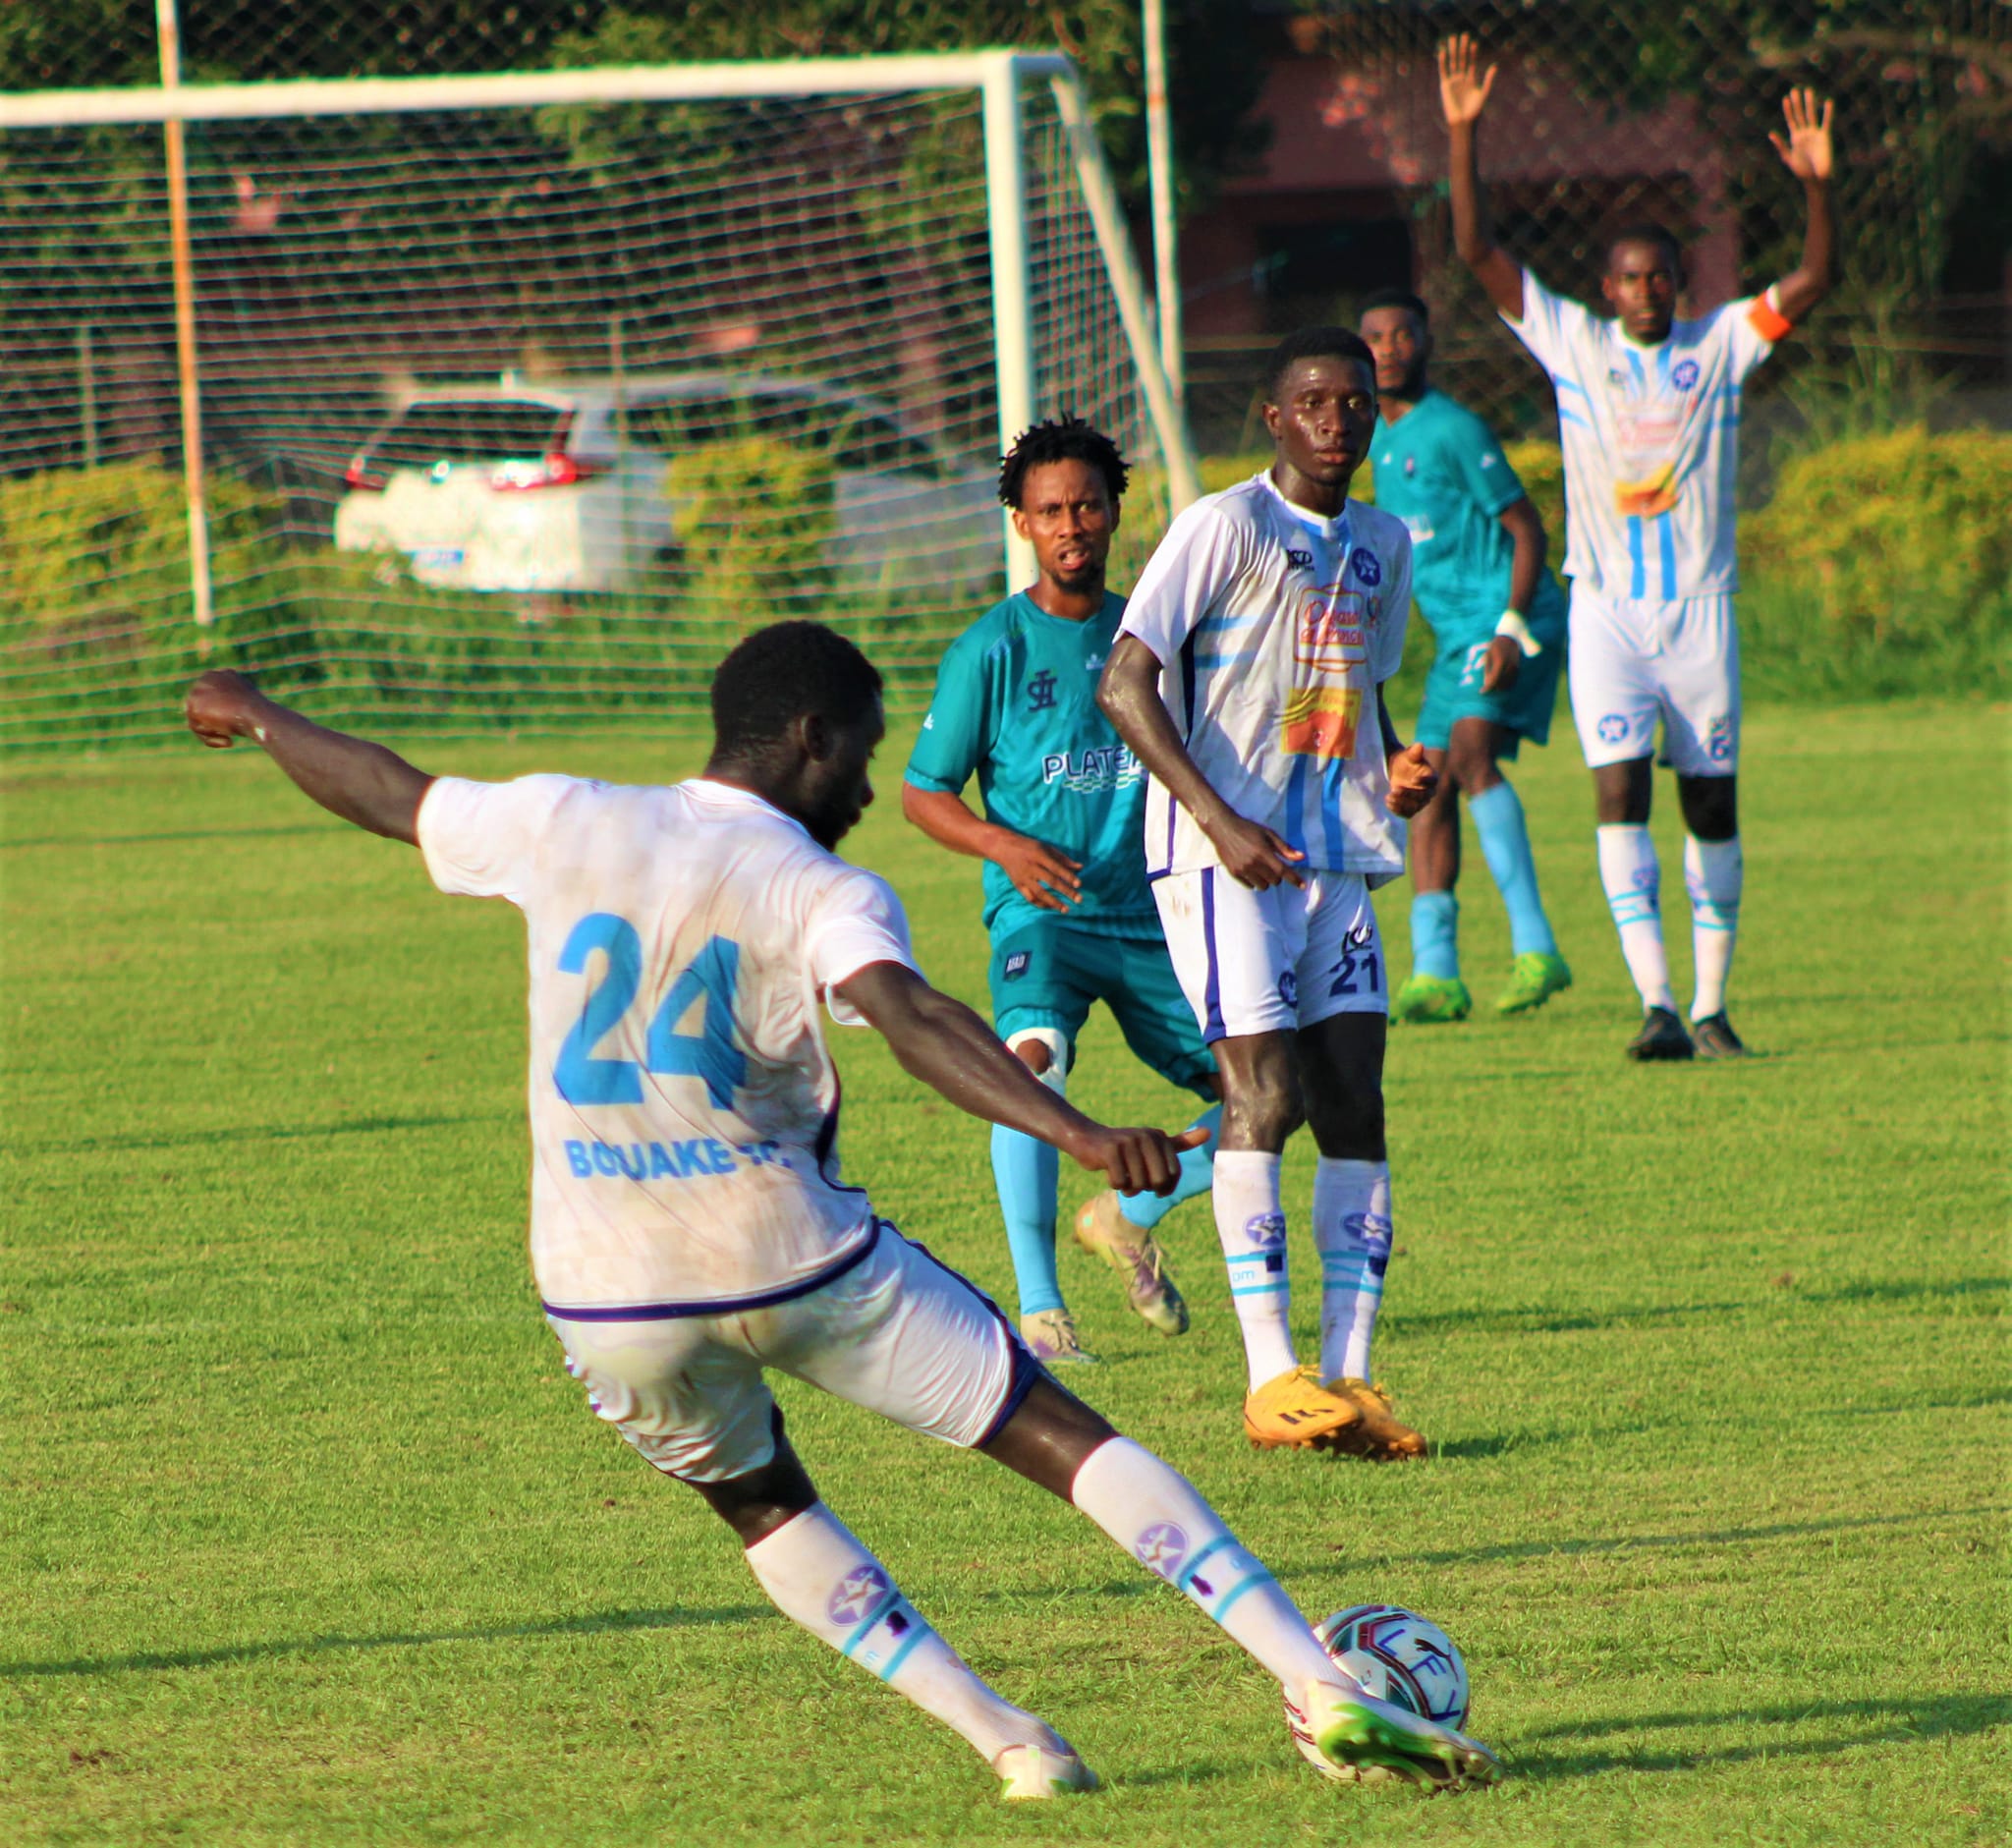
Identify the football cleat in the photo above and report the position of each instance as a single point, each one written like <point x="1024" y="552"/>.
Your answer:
<point x="1102" y="1230"/>
<point x="1050" y="1336"/>
<point x="1372" y="1739"/>
<point x="1029" y="1773"/>
<point x="1662" y="1036"/>
<point x="1717" y="1040"/>
<point x="1432" y="1000"/>
<point x="1382" y="1436"/>
<point x="1296" y="1412"/>
<point x="1534" y="978"/>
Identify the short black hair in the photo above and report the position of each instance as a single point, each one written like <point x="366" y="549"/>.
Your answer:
<point x="1061" y="439"/>
<point x="785" y="672"/>
<point x="1645" y="231"/>
<point x="1399" y="299"/>
<point x="1314" y="343"/>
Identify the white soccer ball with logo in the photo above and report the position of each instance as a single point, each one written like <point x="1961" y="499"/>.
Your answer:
<point x="1398" y="1657"/>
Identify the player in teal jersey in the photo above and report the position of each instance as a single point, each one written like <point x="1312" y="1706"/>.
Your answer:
<point x="1070" y="919"/>
<point x="1498" y="620"/>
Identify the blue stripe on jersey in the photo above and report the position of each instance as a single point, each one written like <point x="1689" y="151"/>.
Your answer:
<point x="1568" y="416"/>
<point x="1663" y="367"/>
<point x="1296" y="805"/>
<point x="1228" y="658"/>
<point x="1211" y="990"/>
<point x="1667" y="539"/>
<point x="1635" y="365"/>
<point x="1638" y="580"/>
<point x="1330" y="813"/>
<point x="1569" y="384"/>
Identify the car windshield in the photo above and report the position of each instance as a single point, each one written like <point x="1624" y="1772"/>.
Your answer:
<point x="436" y="431"/>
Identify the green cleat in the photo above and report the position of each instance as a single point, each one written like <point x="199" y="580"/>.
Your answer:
<point x="1428" y="1000"/>
<point x="1372" y="1741"/>
<point x="1534" y="978"/>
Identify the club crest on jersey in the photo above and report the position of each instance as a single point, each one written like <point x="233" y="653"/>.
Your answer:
<point x="1411" y="464"/>
<point x="1617" y="378"/>
<point x="1684" y="374"/>
<point x="1365" y="565"/>
<point x="1298" y="561"/>
<point x="1040" y="692"/>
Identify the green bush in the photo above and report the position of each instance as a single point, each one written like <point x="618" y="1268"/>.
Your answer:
<point x="754" y="521"/>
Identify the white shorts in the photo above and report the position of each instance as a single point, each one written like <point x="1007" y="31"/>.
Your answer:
<point x="897" y="1332"/>
<point x="1269" y="962"/>
<point x="1635" y="660"/>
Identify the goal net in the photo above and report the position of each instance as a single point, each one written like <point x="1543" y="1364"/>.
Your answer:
<point x="521" y="398"/>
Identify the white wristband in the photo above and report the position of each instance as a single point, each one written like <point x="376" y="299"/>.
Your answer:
<point x="1511" y="623"/>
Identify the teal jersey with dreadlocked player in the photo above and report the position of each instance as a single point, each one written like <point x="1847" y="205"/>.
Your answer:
<point x="1016" y="703"/>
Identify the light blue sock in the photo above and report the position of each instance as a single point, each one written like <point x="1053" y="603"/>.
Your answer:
<point x="1198" y="1175"/>
<point x="1026" y="1170"/>
<point x="1498" y="821"/>
<point x="1436" y="935"/>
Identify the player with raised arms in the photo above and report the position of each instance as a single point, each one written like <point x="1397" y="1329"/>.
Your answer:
<point x="1249" y="679"/>
<point x="1498" y="627"/>
<point x="688" y="1224"/>
<point x="1070" y="914"/>
<point x="1648" y="416"/>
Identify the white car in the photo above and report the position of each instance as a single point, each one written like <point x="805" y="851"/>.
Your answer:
<point x="548" y="487"/>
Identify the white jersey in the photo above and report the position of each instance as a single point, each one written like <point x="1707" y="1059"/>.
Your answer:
<point x="684" y="1107"/>
<point x="1274" y="627"/>
<point x="1651" y="440"/>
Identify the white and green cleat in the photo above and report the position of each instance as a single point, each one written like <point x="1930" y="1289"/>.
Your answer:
<point x="1534" y="978"/>
<point x="1432" y="1000"/>
<point x="1372" y="1741"/>
<point x="1032" y="1773"/>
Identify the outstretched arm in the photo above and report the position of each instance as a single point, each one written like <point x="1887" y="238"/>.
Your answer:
<point x="351" y="777"/>
<point x="1041" y="874"/>
<point x="943" y="1043"/>
<point x="1463" y="95"/>
<point x="1807" y="154"/>
<point x="1129" y="695"/>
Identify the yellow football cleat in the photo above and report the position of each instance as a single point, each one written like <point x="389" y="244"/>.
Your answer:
<point x="1382" y="1436"/>
<point x="1296" y="1412"/>
<point x="1102" y="1230"/>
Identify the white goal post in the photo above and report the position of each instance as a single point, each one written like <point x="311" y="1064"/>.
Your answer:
<point x="1004" y="79"/>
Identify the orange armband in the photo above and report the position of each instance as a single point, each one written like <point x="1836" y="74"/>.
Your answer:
<point x="1768" y="320"/>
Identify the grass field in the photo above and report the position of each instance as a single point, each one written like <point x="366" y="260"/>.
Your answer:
<point x="305" y="1536"/>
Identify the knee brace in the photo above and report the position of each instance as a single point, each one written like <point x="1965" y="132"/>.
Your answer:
<point x="1056" y="1077"/>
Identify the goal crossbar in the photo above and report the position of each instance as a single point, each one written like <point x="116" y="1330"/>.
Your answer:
<point x="997" y="74"/>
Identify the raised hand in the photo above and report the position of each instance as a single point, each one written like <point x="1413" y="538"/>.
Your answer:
<point x="1807" y="151"/>
<point x="218" y="706"/>
<point x="1462" y="94"/>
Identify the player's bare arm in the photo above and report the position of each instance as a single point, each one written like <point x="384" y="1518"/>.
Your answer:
<point x="1464" y="89"/>
<point x="943" y="1043"/>
<point x="1129" y="696"/>
<point x="1526" y="530"/>
<point x="349" y="777"/>
<point x="1805" y="151"/>
<point x="1414" y="777"/>
<point x="1041" y="874"/>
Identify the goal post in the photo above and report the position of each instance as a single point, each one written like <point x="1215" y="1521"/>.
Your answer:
<point x="906" y="212"/>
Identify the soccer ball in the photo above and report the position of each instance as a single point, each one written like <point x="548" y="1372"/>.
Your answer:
<point x="1398" y="1657"/>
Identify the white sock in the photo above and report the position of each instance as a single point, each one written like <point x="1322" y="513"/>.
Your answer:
<point x="1351" y="1232"/>
<point x="818" y="1573"/>
<point x="1629" y="872"/>
<point x="1252" y="1228"/>
<point x="1713" y="873"/>
<point x="1154" y="1512"/>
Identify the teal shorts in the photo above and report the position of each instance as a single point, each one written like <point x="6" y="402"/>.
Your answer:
<point x="1048" y="973"/>
<point x="1453" y="687"/>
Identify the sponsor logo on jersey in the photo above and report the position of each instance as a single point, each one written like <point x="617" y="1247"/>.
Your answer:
<point x="1489" y="458"/>
<point x="1365" y="565"/>
<point x="1086" y="773"/>
<point x="1015" y="966"/>
<point x="1289" y="989"/>
<point x="1684" y="374"/>
<point x="1040" y="692"/>
<point x="1419" y="528"/>
<point x="1618" y="378"/>
<point x="863" y="1587"/>
<point x="1162" y="1547"/>
<point x="1298" y="561"/>
<point x="1411" y="464"/>
<point x="1612" y="728"/>
<point x="1645" y="499"/>
<point x="1093" y="662"/>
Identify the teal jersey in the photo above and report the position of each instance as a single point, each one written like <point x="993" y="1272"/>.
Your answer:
<point x="1016" y="702"/>
<point x="1440" y="470"/>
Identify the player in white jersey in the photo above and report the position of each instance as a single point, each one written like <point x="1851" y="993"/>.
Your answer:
<point x="1248" y="678"/>
<point x="689" y="1226"/>
<point x="1648" y="416"/>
